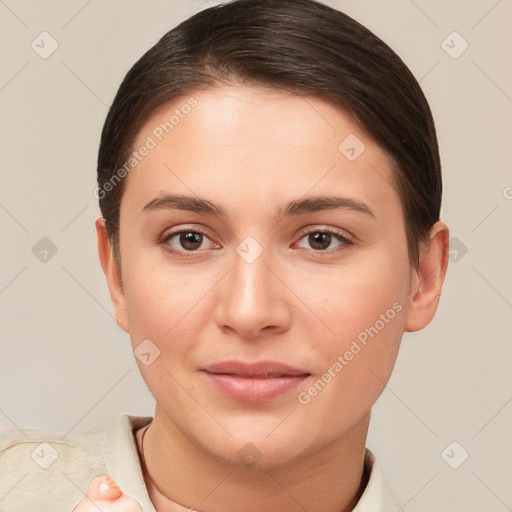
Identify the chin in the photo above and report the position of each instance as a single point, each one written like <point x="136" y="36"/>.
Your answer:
<point x="259" y="455"/>
<point x="261" y="448"/>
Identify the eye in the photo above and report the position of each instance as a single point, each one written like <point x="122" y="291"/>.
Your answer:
<point x="185" y="241"/>
<point x="321" y="239"/>
<point x="193" y="241"/>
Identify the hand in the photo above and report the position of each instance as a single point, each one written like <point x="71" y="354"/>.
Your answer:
<point x="105" y="495"/>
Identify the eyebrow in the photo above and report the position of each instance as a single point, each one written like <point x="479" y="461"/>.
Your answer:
<point x="296" y="207"/>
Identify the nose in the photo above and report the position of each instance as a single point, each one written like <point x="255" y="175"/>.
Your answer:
<point x="253" y="301"/>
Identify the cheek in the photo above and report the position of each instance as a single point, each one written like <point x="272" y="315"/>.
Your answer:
<point x="359" y="298"/>
<point x="364" y="309"/>
<point x="368" y="327"/>
<point x="169" y="306"/>
<point x="356" y="365"/>
<point x="162" y="308"/>
<point x="159" y="297"/>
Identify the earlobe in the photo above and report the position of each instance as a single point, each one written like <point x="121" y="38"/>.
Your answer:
<point x="113" y="275"/>
<point x="428" y="280"/>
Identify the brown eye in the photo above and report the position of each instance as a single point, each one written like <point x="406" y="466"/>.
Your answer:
<point x="185" y="241"/>
<point x="190" y="240"/>
<point x="321" y="240"/>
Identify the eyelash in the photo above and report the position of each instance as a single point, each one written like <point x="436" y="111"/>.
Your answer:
<point x="341" y="237"/>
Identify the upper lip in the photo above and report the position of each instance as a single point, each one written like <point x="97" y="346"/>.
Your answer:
<point x="254" y="369"/>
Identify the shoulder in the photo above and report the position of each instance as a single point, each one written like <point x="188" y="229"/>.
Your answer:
<point x="50" y="469"/>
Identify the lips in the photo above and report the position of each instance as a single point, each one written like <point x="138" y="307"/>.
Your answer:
<point x="256" y="382"/>
<point x="261" y="369"/>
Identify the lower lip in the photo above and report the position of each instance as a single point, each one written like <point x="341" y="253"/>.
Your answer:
<point x="254" y="390"/>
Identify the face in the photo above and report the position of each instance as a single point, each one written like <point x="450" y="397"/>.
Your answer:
<point x="264" y="255"/>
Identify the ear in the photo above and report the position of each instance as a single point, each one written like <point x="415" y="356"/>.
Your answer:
<point x="113" y="275"/>
<point x="428" y="279"/>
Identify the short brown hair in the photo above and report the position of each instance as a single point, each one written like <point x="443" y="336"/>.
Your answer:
<point x="299" y="46"/>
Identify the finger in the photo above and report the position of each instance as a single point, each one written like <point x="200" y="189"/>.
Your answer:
<point x="105" y="488"/>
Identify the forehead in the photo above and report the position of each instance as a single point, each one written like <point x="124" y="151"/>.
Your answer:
<point x="252" y="116"/>
<point x="225" y="139"/>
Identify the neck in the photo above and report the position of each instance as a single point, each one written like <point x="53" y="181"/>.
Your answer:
<point x="180" y="476"/>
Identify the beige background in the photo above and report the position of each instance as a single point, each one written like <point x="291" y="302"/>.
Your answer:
<point x="64" y="364"/>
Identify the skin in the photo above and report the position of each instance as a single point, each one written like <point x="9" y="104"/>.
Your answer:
<point x="252" y="151"/>
<point x="105" y="495"/>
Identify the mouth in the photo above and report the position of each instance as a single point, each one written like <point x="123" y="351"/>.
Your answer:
<point x="254" y="382"/>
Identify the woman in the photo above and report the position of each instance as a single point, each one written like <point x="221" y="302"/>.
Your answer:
<point x="270" y="187"/>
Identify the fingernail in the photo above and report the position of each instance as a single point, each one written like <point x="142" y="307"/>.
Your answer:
<point x="104" y="487"/>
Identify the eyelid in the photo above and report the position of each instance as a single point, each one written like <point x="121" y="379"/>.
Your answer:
<point x="195" y="228"/>
<point x="331" y="230"/>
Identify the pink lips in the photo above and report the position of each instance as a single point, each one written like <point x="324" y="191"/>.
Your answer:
<point x="254" y="382"/>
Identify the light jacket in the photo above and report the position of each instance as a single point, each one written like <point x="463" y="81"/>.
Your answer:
<point x="50" y="471"/>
